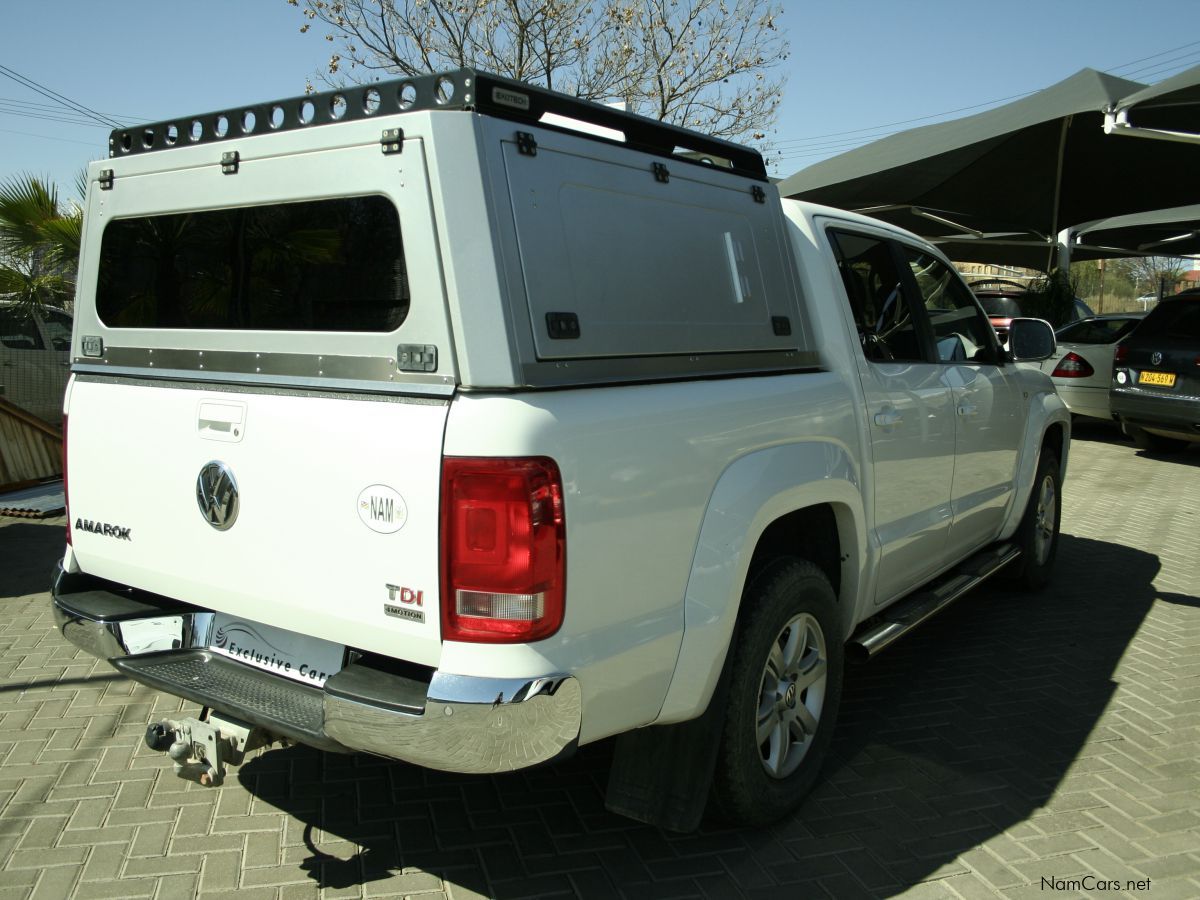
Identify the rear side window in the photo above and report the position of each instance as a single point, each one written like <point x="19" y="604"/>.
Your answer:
<point x="18" y="331"/>
<point x="58" y="328"/>
<point x="322" y="265"/>
<point x="1180" y="319"/>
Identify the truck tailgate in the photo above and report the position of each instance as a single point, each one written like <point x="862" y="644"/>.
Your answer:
<point x="335" y="533"/>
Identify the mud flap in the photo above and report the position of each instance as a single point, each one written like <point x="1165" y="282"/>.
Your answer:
<point x="661" y="774"/>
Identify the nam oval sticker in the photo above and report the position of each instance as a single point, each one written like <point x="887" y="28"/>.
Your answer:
<point x="382" y="509"/>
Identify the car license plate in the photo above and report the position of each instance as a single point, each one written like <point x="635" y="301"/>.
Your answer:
<point x="297" y="656"/>
<point x="1163" y="379"/>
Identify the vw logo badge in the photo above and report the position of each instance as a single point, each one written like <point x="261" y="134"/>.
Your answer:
<point x="1156" y="357"/>
<point x="789" y="696"/>
<point x="217" y="495"/>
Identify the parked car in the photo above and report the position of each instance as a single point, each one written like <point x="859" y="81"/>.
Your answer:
<point x="1002" y="299"/>
<point x="1156" y="376"/>
<point x="34" y="363"/>
<point x="1082" y="367"/>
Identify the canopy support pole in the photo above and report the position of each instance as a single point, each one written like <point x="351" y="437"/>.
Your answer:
<point x="1058" y="174"/>
<point x="1064" y="250"/>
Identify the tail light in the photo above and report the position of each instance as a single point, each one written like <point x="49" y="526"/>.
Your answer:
<point x="1073" y="366"/>
<point x="503" y="549"/>
<point x="1120" y="353"/>
<point x="66" y="495"/>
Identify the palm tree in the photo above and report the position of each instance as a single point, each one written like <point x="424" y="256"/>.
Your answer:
<point x="39" y="244"/>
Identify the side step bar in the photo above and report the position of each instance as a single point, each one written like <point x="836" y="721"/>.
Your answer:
<point x="903" y="616"/>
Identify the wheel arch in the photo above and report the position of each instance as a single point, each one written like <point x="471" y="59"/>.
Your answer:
<point x="1048" y="427"/>
<point x="800" y="499"/>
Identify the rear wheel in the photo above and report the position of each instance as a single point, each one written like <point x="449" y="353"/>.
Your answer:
<point x="785" y="689"/>
<point x="1037" y="535"/>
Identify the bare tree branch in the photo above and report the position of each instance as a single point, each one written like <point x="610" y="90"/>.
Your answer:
<point x="703" y="64"/>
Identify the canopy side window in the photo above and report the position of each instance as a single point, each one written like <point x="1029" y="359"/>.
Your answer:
<point x="961" y="331"/>
<point x="875" y="290"/>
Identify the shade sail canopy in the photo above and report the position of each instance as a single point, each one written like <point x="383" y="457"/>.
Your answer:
<point x="1024" y="251"/>
<point x="1035" y="166"/>
<point x="1172" y="105"/>
<point x="1167" y="232"/>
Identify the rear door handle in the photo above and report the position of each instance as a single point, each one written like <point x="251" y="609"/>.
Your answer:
<point x="889" y="418"/>
<point x="967" y="409"/>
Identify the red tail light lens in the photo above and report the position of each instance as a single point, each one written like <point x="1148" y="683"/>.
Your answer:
<point x="1073" y="366"/>
<point x="1120" y="353"/>
<point x="66" y="496"/>
<point x="503" y="549"/>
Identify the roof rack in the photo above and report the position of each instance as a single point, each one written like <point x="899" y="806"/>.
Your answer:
<point x="463" y="89"/>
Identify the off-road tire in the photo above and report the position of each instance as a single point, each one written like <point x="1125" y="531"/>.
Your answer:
<point x="788" y="591"/>
<point x="1037" y="535"/>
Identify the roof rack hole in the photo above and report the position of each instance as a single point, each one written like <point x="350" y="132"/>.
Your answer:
<point x="307" y="110"/>
<point x="249" y="120"/>
<point x="337" y="106"/>
<point x="407" y="94"/>
<point x="276" y="116"/>
<point x="445" y="90"/>
<point x="221" y="126"/>
<point x="197" y="130"/>
<point x="126" y="141"/>
<point x="148" y="138"/>
<point x="372" y="101"/>
<point x="172" y="134"/>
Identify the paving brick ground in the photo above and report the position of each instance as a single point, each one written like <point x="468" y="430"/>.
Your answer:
<point x="1015" y="738"/>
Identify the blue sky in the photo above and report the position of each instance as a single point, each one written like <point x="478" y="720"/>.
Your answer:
<point x="855" y="67"/>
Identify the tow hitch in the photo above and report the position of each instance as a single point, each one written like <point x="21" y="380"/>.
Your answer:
<point x="202" y="749"/>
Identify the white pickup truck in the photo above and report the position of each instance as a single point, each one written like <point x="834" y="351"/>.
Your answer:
<point x="463" y="423"/>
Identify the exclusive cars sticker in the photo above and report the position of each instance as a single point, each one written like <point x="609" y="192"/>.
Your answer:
<point x="382" y="509"/>
<point x="296" y="656"/>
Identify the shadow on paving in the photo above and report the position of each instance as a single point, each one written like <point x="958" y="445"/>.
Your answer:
<point x="1096" y="431"/>
<point x="28" y="554"/>
<point x="946" y="740"/>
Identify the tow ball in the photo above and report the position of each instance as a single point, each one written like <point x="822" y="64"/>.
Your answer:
<point x="202" y="749"/>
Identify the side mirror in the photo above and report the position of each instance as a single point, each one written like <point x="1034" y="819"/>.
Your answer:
<point x="1031" y="340"/>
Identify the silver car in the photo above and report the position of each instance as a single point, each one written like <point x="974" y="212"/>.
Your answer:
<point x="1082" y="368"/>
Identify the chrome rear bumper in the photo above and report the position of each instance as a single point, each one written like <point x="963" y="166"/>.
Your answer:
<point x="455" y="723"/>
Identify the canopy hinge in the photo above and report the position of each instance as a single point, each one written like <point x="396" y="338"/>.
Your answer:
<point x="661" y="173"/>
<point x="391" y="141"/>
<point x="526" y="145"/>
<point x="106" y="179"/>
<point x="760" y="196"/>
<point x="229" y="162"/>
